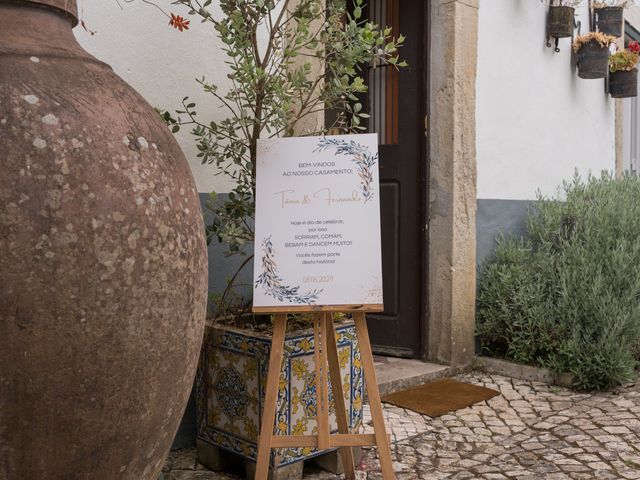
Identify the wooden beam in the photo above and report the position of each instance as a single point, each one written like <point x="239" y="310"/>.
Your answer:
<point x="338" y="395"/>
<point x="371" y="382"/>
<point x="271" y="398"/>
<point x="320" y="308"/>
<point x="336" y="440"/>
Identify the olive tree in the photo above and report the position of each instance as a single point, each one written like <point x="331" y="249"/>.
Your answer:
<point x="276" y="84"/>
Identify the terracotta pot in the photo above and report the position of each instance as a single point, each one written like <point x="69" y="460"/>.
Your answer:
<point x="102" y="262"/>
<point x="609" y="20"/>
<point x="593" y="60"/>
<point x="560" y="21"/>
<point x="624" y="84"/>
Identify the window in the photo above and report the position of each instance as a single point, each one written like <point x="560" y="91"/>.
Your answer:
<point x="383" y="80"/>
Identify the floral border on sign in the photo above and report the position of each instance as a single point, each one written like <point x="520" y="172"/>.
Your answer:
<point x="363" y="159"/>
<point x="272" y="283"/>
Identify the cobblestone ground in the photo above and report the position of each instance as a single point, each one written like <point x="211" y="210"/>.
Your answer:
<point x="531" y="431"/>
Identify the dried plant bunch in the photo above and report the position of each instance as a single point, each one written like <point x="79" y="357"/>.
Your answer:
<point x="612" y="3"/>
<point x="625" y="60"/>
<point x="601" y="38"/>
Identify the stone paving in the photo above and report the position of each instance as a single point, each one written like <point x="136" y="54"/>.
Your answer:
<point x="530" y="431"/>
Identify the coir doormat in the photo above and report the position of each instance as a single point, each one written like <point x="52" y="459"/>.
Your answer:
<point x="439" y="397"/>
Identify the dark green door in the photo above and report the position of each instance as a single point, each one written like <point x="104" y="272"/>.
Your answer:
<point x="397" y="104"/>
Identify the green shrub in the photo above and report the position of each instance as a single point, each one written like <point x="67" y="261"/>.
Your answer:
<point x="567" y="297"/>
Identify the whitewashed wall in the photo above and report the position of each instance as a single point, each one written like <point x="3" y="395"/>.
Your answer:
<point x="631" y="112"/>
<point x="536" y="120"/>
<point x="632" y="15"/>
<point x="159" y="62"/>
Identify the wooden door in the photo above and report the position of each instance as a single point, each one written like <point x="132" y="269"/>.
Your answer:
<point x="397" y="104"/>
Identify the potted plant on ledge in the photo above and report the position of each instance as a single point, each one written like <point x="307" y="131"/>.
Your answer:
<point x="313" y="60"/>
<point x="623" y="74"/>
<point x="592" y="52"/>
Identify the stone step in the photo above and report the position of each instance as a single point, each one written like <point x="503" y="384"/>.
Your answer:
<point x="396" y="374"/>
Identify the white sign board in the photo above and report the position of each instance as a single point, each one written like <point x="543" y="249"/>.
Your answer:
<point x="317" y="223"/>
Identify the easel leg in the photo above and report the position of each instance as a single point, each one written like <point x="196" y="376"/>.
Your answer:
<point x="322" y="392"/>
<point x="271" y="397"/>
<point x="338" y="395"/>
<point x="384" y="450"/>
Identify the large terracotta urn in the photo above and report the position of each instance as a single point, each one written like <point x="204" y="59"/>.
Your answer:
<point x="102" y="262"/>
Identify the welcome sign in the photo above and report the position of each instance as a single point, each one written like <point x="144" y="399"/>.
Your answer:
<point x="317" y="224"/>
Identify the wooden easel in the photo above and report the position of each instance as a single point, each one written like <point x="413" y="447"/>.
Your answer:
<point x="326" y="365"/>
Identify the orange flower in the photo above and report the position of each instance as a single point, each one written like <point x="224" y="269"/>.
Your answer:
<point x="179" y="22"/>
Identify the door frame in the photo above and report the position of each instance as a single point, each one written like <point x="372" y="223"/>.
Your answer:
<point x="451" y="195"/>
<point x="425" y="180"/>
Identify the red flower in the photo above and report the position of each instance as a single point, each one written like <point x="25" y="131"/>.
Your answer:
<point x="633" y="47"/>
<point x="179" y="22"/>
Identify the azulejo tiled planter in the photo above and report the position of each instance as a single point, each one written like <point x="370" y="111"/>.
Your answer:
<point x="231" y="381"/>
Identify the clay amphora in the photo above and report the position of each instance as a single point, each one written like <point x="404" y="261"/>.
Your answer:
<point x="103" y="264"/>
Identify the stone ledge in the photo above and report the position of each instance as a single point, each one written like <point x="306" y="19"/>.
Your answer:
<point x="524" y="372"/>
